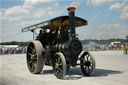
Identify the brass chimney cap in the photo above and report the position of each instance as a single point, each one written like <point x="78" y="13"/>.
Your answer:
<point x="71" y="9"/>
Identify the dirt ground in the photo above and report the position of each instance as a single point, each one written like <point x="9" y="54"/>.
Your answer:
<point x="111" y="69"/>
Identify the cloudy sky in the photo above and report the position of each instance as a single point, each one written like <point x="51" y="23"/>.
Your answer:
<point x="106" y="18"/>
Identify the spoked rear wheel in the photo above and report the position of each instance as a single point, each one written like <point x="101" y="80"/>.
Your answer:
<point x="87" y="64"/>
<point x="59" y="66"/>
<point x="35" y="57"/>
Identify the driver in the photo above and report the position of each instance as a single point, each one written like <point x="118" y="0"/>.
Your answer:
<point x="42" y="37"/>
<point x="41" y="34"/>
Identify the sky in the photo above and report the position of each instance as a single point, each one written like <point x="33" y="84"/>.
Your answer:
<point x="106" y="18"/>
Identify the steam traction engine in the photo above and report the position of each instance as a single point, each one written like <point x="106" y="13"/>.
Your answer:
<point x="57" y="45"/>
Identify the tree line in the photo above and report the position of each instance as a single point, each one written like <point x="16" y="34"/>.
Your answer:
<point x="14" y="43"/>
<point x="86" y="41"/>
<point x="108" y="41"/>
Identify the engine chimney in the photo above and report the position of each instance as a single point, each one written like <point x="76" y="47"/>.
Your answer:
<point x="71" y="11"/>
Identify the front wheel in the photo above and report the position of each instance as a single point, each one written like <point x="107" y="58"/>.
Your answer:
<point x="59" y="65"/>
<point x="87" y="64"/>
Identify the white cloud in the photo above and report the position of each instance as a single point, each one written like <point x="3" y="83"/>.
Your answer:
<point x="75" y="4"/>
<point x="110" y="26"/>
<point x="37" y="1"/>
<point x="117" y="5"/>
<point x="31" y="12"/>
<point x="36" y="8"/>
<point x="99" y="2"/>
<point x="112" y="30"/>
<point x="124" y="13"/>
<point x="104" y="31"/>
<point x="122" y="8"/>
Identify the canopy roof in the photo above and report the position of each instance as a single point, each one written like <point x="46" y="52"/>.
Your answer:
<point x="53" y="24"/>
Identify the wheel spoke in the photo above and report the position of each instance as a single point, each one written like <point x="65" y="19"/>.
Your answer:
<point x="35" y="58"/>
<point x="88" y="69"/>
<point x="60" y="71"/>
<point x="84" y="59"/>
<point x="87" y="57"/>
<point x="60" y="64"/>
<point x="30" y="54"/>
<point x="84" y="67"/>
<point x="57" y="71"/>
<point x="30" y="62"/>
<point x="33" y="49"/>
<point x="59" y="60"/>
<point x="34" y="64"/>
<point x="33" y="67"/>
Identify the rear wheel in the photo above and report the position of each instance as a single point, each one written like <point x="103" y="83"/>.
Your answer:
<point x="59" y="66"/>
<point x="35" y="55"/>
<point x="87" y="64"/>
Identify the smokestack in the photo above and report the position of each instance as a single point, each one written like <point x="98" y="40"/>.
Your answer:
<point x="71" y="11"/>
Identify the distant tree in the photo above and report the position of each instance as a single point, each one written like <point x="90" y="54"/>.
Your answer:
<point x="14" y="43"/>
<point x="86" y="41"/>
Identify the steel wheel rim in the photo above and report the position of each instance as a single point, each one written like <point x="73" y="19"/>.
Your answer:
<point x="31" y="57"/>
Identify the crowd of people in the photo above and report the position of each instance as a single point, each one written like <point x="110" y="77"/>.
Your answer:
<point x="12" y="50"/>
